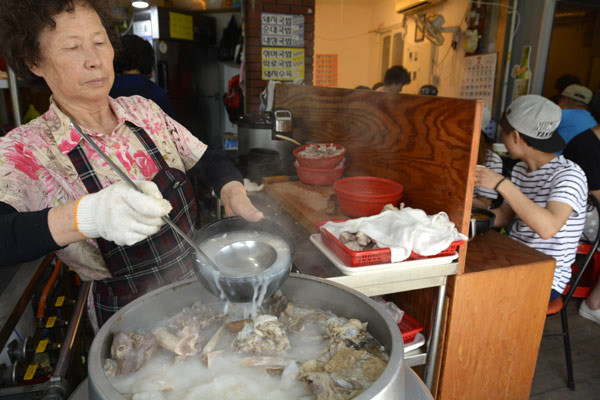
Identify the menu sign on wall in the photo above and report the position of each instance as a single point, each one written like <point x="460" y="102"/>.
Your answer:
<point x="282" y="30"/>
<point x="283" y="64"/>
<point x="326" y="70"/>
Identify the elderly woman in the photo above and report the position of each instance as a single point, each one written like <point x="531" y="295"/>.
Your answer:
<point x="58" y="194"/>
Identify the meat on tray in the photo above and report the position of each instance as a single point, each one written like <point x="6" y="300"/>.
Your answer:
<point x="357" y="241"/>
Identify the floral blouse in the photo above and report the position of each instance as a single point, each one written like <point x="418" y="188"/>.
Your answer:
<point x="36" y="172"/>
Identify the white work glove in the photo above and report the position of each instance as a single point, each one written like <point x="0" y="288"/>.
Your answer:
<point x="121" y="214"/>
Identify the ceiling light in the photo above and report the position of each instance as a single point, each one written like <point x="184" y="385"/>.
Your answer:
<point x="139" y="4"/>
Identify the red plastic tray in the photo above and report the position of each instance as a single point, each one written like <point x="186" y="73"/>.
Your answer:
<point x="374" y="256"/>
<point x="409" y="327"/>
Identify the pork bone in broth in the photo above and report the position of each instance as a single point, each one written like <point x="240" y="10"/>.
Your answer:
<point x="297" y="355"/>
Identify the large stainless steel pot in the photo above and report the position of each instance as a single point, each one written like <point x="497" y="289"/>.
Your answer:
<point x="147" y="310"/>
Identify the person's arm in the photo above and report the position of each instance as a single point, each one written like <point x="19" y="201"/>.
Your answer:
<point x="504" y="216"/>
<point x="24" y="236"/>
<point x="217" y="171"/>
<point x="482" y="202"/>
<point x="117" y="213"/>
<point x="546" y="222"/>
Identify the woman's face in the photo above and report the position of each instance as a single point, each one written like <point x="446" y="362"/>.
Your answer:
<point x="76" y="58"/>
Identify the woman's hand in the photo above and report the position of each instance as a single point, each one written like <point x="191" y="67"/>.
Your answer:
<point x="121" y="214"/>
<point x="236" y="202"/>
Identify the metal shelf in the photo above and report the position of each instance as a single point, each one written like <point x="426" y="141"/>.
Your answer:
<point x="416" y="357"/>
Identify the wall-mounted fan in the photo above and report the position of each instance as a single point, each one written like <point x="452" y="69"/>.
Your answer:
<point x="431" y="27"/>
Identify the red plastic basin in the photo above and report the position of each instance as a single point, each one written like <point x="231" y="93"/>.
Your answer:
<point x="319" y="163"/>
<point x="319" y="177"/>
<point x="363" y="196"/>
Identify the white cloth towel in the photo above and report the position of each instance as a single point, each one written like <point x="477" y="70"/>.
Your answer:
<point x="403" y="231"/>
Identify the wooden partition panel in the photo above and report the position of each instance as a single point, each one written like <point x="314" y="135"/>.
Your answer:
<point x="428" y="144"/>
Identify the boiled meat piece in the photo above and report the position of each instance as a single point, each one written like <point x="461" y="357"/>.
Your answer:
<point x="276" y="304"/>
<point x="320" y="151"/>
<point x="355" y="367"/>
<point x="198" y="315"/>
<point x="131" y="351"/>
<point x="236" y="326"/>
<point x="346" y="237"/>
<point x="263" y="336"/>
<point x="323" y="387"/>
<point x="352" y="332"/>
<point x="182" y="346"/>
<point x="344" y="375"/>
<point x="362" y="239"/>
<point x="353" y="246"/>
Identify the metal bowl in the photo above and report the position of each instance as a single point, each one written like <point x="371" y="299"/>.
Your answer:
<point x="481" y="221"/>
<point x="249" y="267"/>
<point x="147" y="310"/>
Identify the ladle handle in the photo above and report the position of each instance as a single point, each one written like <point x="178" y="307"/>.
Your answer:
<point x="131" y="183"/>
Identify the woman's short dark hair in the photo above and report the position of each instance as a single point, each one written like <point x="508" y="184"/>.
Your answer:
<point x="396" y="75"/>
<point x="135" y="53"/>
<point x="21" y="22"/>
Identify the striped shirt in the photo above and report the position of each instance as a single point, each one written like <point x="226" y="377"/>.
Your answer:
<point x="493" y="162"/>
<point x="558" y="180"/>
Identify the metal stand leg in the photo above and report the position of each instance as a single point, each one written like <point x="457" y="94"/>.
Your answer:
<point x="567" y="343"/>
<point x="430" y="366"/>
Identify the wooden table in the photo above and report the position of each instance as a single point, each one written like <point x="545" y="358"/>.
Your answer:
<point x="496" y="316"/>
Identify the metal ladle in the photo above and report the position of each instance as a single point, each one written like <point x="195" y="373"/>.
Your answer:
<point x="234" y="254"/>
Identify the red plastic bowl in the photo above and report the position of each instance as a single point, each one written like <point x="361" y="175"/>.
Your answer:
<point x="363" y="196"/>
<point x="319" y="177"/>
<point x="319" y="163"/>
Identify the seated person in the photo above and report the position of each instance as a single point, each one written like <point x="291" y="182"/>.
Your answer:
<point x="576" y="116"/>
<point x="428" y="90"/>
<point x="590" y="307"/>
<point x="546" y="195"/>
<point x="561" y="84"/>
<point x="595" y="106"/>
<point x="482" y="197"/>
<point x="133" y="65"/>
<point x="584" y="150"/>
<point x="394" y="79"/>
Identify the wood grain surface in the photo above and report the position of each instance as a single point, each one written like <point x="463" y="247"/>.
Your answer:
<point x="497" y="311"/>
<point x="493" y="250"/>
<point x="307" y="204"/>
<point x="428" y="144"/>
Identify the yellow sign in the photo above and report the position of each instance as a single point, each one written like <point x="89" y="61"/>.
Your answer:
<point x="181" y="26"/>
<point x="50" y="322"/>
<point x="30" y="373"/>
<point x="282" y="64"/>
<point x="59" y="301"/>
<point x="41" y="347"/>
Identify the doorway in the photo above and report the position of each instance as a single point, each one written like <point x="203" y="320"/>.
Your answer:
<point x="574" y="46"/>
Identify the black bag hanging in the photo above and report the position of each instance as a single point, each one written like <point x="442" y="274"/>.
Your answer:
<point x="231" y="37"/>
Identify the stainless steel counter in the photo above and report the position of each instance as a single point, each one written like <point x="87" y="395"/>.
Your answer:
<point x="309" y="260"/>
